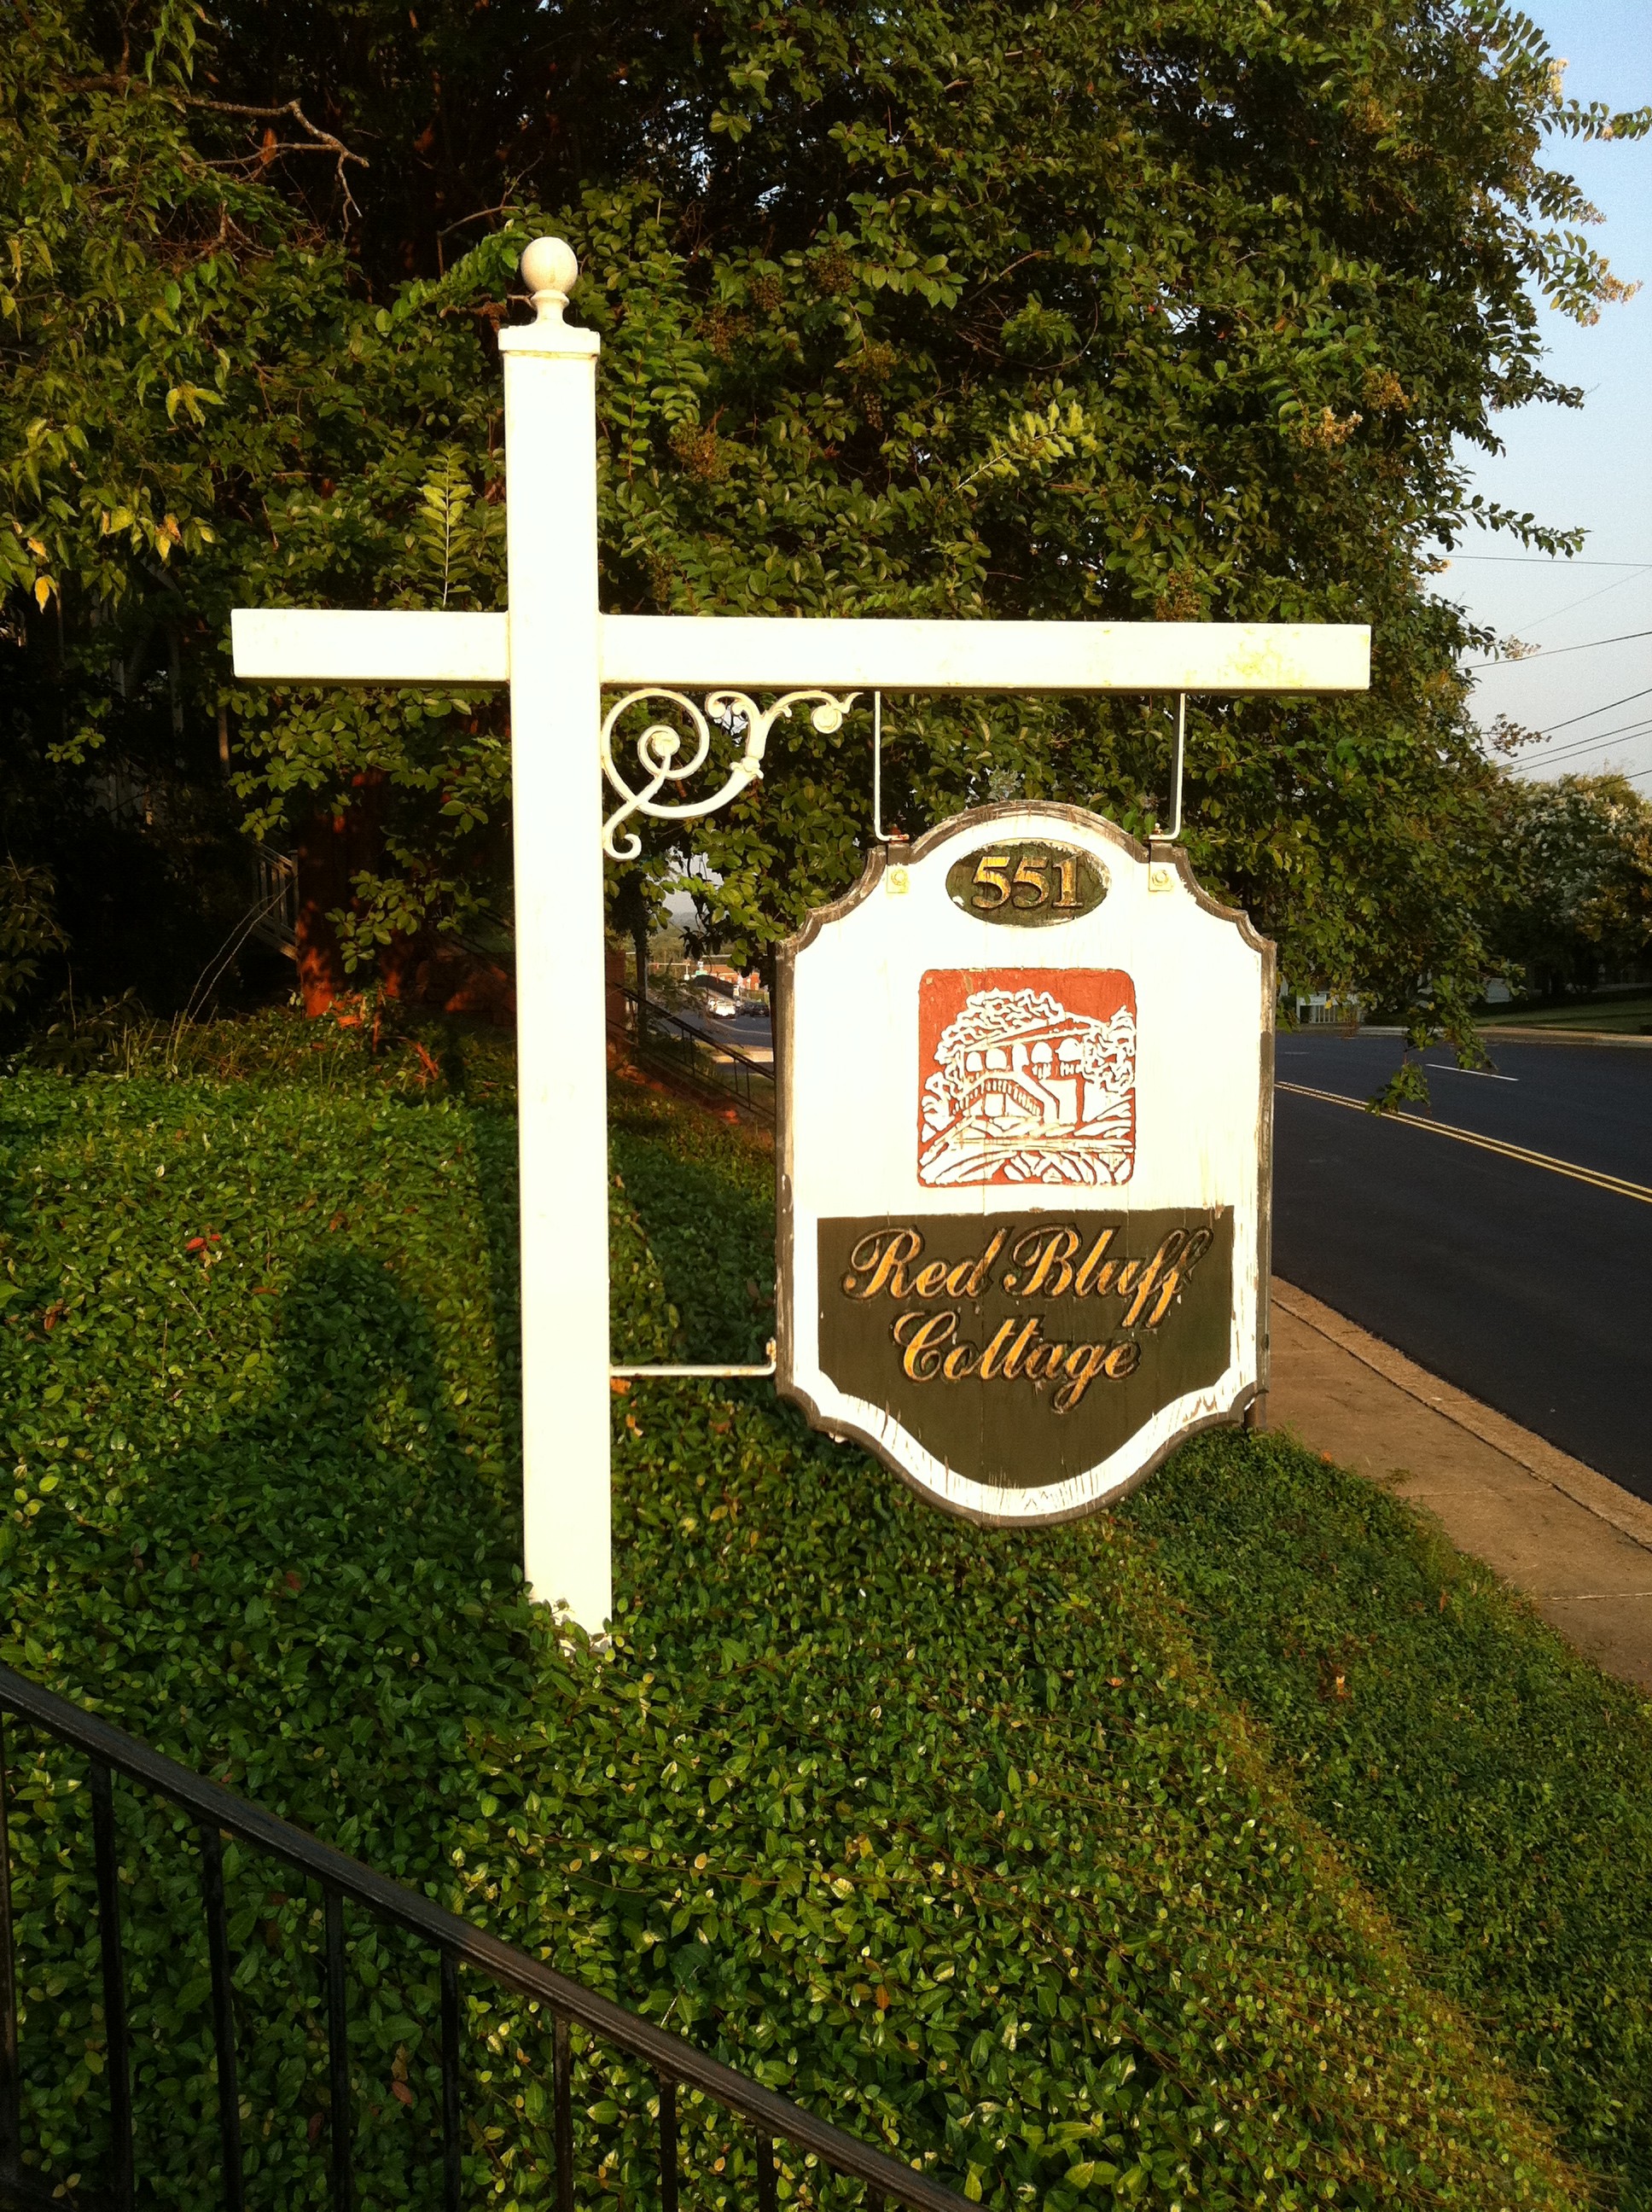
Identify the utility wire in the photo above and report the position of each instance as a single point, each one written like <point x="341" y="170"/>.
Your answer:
<point x="1606" y="737"/>
<point x="1596" y="745"/>
<point x="1542" y="622"/>
<point x="1594" y="711"/>
<point x="1542" y="560"/>
<point x="1635" y="729"/>
<point x="1553" y="651"/>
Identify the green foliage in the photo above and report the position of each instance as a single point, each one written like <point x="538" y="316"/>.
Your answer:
<point x="28" y="927"/>
<point x="1577" y="898"/>
<point x="1491" y="1785"/>
<point x="944" y="1831"/>
<point x="149" y="297"/>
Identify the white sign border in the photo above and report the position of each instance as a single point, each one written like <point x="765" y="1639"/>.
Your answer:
<point x="1173" y="1425"/>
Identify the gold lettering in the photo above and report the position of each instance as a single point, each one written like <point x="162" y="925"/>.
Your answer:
<point x="969" y="1278"/>
<point x="882" y="1264"/>
<point x="1198" y="1244"/>
<point x="931" y="1279"/>
<point x="1018" y="1351"/>
<point x="1030" y="876"/>
<point x="1088" y="1277"/>
<point x="989" y="875"/>
<point x="1084" y="1363"/>
<point x="1047" y="1249"/>
<point x="961" y="1360"/>
<point x="1145" y="1282"/>
<point x="1044" y="1360"/>
<point x="991" y="1358"/>
<point x="1126" y="1279"/>
<point x="924" y="1335"/>
<point x="1123" y="1358"/>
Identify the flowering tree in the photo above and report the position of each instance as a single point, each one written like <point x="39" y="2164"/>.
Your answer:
<point x="1576" y="905"/>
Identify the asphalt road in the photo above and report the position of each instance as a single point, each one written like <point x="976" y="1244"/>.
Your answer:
<point x="751" y="1034"/>
<point x="1528" y="1287"/>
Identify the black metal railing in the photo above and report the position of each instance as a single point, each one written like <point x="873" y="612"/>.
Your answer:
<point x="216" y="1812"/>
<point x="659" y="1034"/>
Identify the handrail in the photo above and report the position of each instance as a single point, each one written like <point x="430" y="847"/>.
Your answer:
<point x="220" y="1811"/>
<point x="677" y="1042"/>
<point x="654" y="1007"/>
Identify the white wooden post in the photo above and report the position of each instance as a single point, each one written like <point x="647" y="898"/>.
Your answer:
<point x="550" y="445"/>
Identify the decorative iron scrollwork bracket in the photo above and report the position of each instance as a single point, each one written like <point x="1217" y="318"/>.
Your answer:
<point x="660" y="751"/>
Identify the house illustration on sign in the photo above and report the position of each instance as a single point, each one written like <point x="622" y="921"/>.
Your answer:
<point x="1028" y="1085"/>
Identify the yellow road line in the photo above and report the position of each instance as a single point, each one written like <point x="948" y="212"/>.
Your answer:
<point x="1616" y="1184"/>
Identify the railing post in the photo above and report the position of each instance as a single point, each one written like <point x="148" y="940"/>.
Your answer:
<point x="451" y="2171"/>
<point x="119" y="2058"/>
<point x="11" y="2131"/>
<point x="338" y="2056"/>
<point x="667" y="2144"/>
<point x="223" y="2016"/>
<point x="564" y="2087"/>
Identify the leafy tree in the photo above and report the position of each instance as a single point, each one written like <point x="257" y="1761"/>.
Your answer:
<point x="1576" y="903"/>
<point x="148" y="298"/>
<point x="1119" y="311"/>
<point x="186" y="378"/>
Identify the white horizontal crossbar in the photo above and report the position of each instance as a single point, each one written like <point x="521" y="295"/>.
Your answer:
<point x="291" y="645"/>
<point x="779" y="652"/>
<point x="701" y="652"/>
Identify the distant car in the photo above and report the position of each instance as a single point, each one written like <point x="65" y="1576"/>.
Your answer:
<point x="725" y="1009"/>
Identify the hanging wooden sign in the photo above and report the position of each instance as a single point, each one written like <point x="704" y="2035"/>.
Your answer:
<point x="1026" y="1086"/>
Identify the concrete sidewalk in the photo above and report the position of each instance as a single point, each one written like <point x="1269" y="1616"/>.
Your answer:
<point x="1579" y="1546"/>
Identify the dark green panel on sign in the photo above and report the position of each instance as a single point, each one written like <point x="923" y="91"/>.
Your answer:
<point x="1030" y="885"/>
<point x="1021" y="1349"/>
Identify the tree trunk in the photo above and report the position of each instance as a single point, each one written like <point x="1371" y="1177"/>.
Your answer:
<point x="332" y="848"/>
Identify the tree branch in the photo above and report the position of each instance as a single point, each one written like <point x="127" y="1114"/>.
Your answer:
<point x="319" y="141"/>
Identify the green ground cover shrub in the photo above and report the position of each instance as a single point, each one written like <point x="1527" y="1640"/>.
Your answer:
<point x="1495" y="1788"/>
<point x="950" y="1833"/>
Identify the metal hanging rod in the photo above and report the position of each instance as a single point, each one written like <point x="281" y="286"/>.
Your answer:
<point x="705" y="1370"/>
<point x="629" y="1374"/>
<point x="1181" y="754"/>
<point x="877" y="829"/>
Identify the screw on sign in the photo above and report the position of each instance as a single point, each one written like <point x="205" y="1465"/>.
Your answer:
<point x="558" y="653"/>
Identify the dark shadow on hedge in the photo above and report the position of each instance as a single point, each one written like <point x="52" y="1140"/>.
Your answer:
<point x="322" y="1611"/>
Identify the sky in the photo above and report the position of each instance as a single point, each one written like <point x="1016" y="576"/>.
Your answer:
<point x="1591" y="467"/>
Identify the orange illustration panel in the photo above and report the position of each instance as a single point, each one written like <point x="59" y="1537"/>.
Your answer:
<point x="1026" y="1075"/>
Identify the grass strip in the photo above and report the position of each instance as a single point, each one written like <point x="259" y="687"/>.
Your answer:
<point x="1492" y="1785"/>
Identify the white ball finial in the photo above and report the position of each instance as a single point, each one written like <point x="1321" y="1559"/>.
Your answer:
<point x="550" y="271"/>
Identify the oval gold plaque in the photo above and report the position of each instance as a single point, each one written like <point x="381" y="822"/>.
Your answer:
<point x="1030" y="885"/>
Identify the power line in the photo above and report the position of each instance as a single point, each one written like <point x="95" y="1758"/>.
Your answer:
<point x="1594" y="711"/>
<point x="1555" y="613"/>
<point x="1594" y="745"/>
<point x="1628" y="775"/>
<point x="1540" y="561"/>
<point x="1624" y="730"/>
<point x="1569" y="761"/>
<point x="1553" y="651"/>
